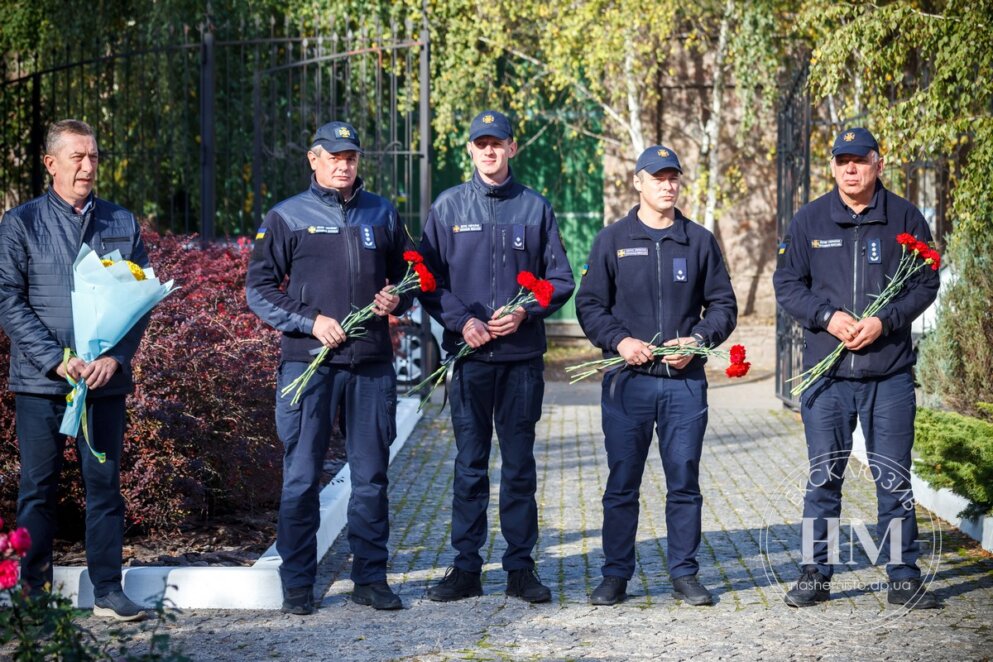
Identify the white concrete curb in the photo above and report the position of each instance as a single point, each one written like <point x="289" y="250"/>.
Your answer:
<point x="942" y="502"/>
<point x="257" y="587"/>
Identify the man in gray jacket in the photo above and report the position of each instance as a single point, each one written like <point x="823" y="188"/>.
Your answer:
<point x="39" y="242"/>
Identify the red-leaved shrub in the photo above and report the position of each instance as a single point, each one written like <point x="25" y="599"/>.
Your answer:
<point x="201" y="435"/>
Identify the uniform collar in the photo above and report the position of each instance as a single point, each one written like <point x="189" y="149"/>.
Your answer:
<point x="502" y="190"/>
<point x="875" y="212"/>
<point x="635" y="229"/>
<point x="331" y="196"/>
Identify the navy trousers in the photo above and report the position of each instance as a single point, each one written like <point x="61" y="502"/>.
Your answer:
<point x="41" y="445"/>
<point x="368" y="394"/>
<point x="886" y="408"/>
<point x="632" y="404"/>
<point x="508" y="395"/>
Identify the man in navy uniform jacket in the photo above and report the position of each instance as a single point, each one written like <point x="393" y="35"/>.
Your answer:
<point x="654" y="276"/>
<point x="838" y="252"/>
<point x="478" y="237"/>
<point x="339" y="245"/>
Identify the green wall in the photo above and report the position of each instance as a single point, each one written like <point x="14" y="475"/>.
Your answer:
<point x="566" y="169"/>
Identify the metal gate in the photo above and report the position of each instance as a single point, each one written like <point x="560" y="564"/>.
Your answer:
<point x="792" y="192"/>
<point x="378" y="85"/>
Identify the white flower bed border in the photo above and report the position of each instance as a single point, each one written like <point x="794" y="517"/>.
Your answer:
<point x="942" y="502"/>
<point x="216" y="587"/>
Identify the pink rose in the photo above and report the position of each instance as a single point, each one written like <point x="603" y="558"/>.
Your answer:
<point x="4" y="543"/>
<point x="9" y="571"/>
<point x="20" y="540"/>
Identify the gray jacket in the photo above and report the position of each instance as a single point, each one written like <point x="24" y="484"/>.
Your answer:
<point x="39" y="241"/>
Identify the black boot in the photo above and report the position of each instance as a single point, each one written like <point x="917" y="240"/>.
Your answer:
<point x="299" y="601"/>
<point x="610" y="591"/>
<point x="910" y="594"/>
<point x="689" y="589"/>
<point x="811" y="588"/>
<point x="524" y="584"/>
<point x="377" y="595"/>
<point x="456" y="585"/>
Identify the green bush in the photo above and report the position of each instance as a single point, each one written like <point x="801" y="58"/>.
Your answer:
<point x="957" y="452"/>
<point x="956" y="358"/>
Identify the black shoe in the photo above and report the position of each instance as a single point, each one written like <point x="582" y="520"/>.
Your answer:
<point x="524" y="584"/>
<point x="690" y="589"/>
<point x="299" y="601"/>
<point x="377" y="595"/>
<point x="117" y="606"/>
<point x="610" y="591"/>
<point x="811" y="588"/>
<point x="911" y="594"/>
<point x="456" y="585"/>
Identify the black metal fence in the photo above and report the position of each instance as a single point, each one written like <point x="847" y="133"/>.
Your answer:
<point x="792" y="192"/>
<point x="201" y="135"/>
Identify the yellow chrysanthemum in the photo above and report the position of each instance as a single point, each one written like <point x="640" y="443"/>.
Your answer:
<point x="136" y="271"/>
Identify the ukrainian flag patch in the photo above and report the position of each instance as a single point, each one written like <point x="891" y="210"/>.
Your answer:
<point x="260" y="234"/>
<point x="586" y="267"/>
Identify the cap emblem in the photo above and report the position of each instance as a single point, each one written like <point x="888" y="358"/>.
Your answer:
<point x="342" y="132"/>
<point x="663" y="153"/>
<point x="850" y="136"/>
<point x="488" y="119"/>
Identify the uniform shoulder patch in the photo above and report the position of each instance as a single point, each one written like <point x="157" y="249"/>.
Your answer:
<point x="586" y="268"/>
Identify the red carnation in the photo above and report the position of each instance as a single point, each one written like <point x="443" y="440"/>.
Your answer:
<point x="737" y="354"/>
<point x="526" y="279"/>
<point x="920" y="247"/>
<point x="413" y="256"/>
<point x="428" y="283"/>
<point x="20" y="541"/>
<point x="543" y="291"/>
<point x="906" y="239"/>
<point x="738" y="369"/>
<point x="8" y="574"/>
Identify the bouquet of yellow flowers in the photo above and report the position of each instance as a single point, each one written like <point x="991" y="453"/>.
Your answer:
<point x="109" y="296"/>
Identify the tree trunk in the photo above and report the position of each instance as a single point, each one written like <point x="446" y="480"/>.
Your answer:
<point x="712" y="140"/>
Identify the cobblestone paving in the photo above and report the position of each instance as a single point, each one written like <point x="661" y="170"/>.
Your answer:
<point x="752" y="469"/>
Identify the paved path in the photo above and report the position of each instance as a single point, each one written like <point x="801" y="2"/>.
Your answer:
<point x="749" y="552"/>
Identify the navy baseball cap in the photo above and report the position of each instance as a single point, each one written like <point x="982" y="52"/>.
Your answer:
<point x="490" y="123"/>
<point x="655" y="158"/>
<point x="857" y="141"/>
<point x="337" y="137"/>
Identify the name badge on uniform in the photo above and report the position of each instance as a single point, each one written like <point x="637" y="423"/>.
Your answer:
<point x="467" y="227"/>
<point x="518" y="237"/>
<point x="323" y="229"/>
<point x="825" y="243"/>
<point x="631" y="252"/>
<point x="679" y="274"/>
<point x="875" y="251"/>
<point x="368" y="237"/>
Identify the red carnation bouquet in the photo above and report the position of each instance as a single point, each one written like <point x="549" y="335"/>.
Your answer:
<point x="417" y="277"/>
<point x="916" y="256"/>
<point x="737" y="366"/>
<point x="532" y="290"/>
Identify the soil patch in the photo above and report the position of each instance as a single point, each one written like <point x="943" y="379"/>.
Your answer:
<point x="229" y="540"/>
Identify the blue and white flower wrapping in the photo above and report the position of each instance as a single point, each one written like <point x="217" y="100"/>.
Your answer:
<point x="106" y="302"/>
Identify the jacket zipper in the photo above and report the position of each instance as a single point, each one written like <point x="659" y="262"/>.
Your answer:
<point x="493" y="267"/>
<point x="352" y="267"/>
<point x="855" y="285"/>
<point x="658" y="266"/>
